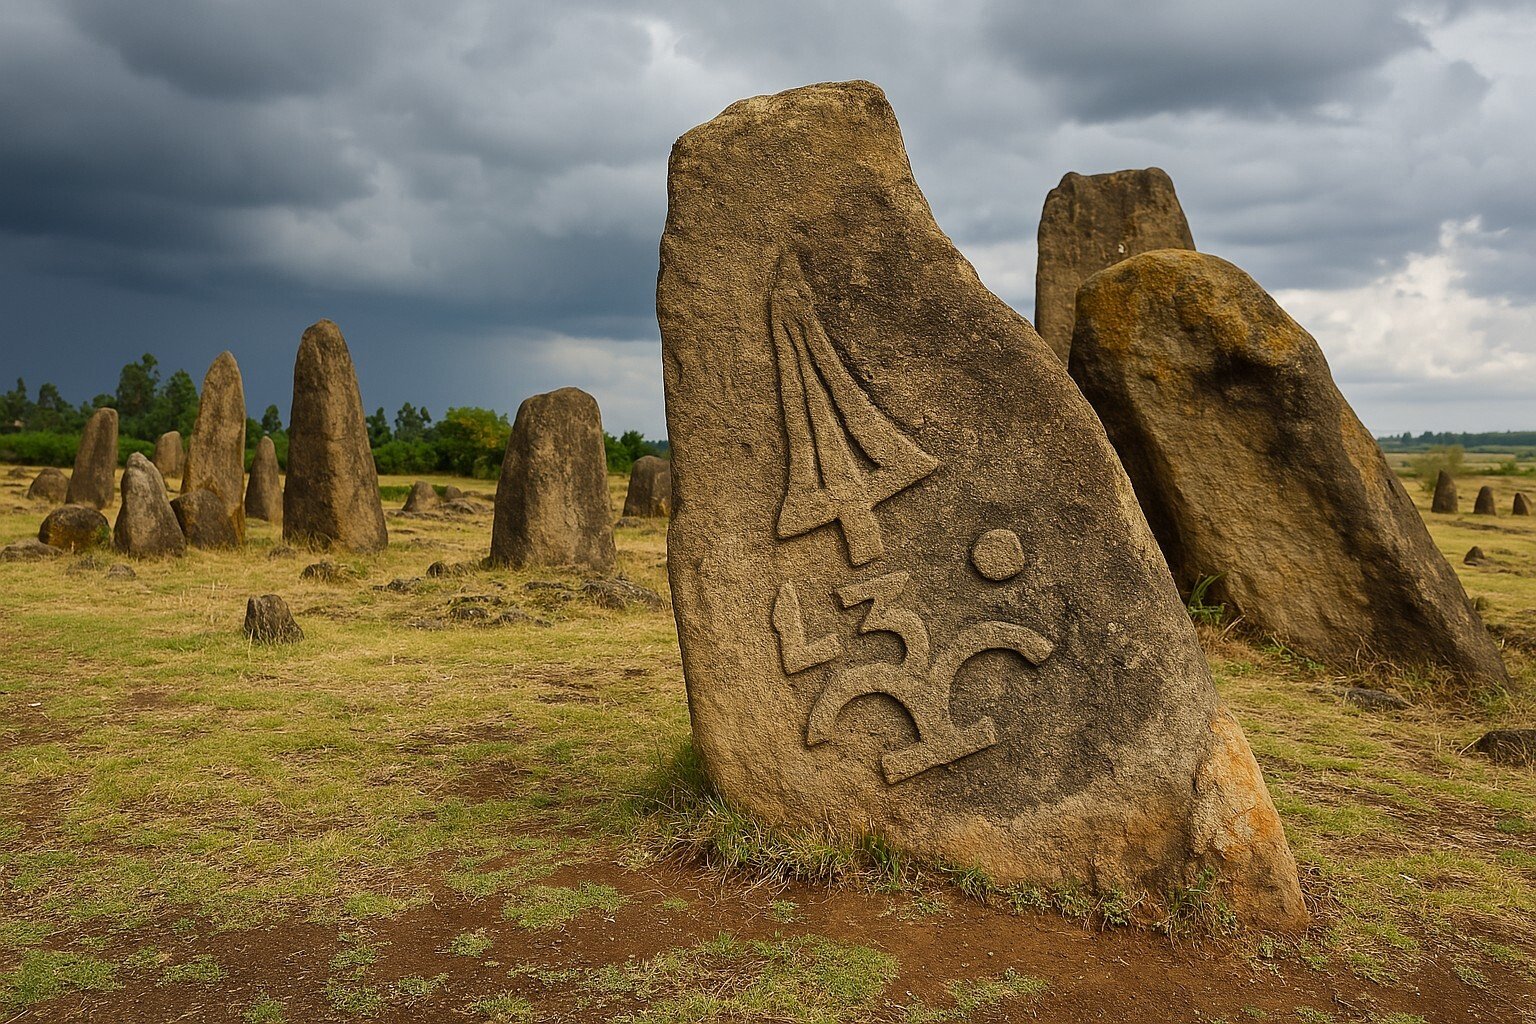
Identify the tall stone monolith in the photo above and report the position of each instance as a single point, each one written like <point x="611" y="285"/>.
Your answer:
<point x="1254" y="471"/>
<point x="216" y="453"/>
<point x="170" y="456"/>
<point x="914" y="592"/>
<point x="331" y="499"/>
<point x="1484" y="505"/>
<point x="146" y="523"/>
<point x="1094" y="221"/>
<point x="264" y="485"/>
<point x="1445" y="499"/>
<point x="92" y="481"/>
<point x="650" y="488"/>
<point x="552" y="499"/>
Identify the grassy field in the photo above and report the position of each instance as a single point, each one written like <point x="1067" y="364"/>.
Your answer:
<point x="438" y="807"/>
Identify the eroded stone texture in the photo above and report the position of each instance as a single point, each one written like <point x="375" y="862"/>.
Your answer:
<point x="1513" y="747"/>
<point x="423" y="498"/>
<point x="1289" y="503"/>
<point x="268" y="621"/>
<point x="1522" y="506"/>
<point x="332" y="496"/>
<point x="1094" y="221"/>
<point x="650" y="488"/>
<point x="49" y="485"/>
<point x="146" y="524"/>
<point x="216" y="454"/>
<point x="264" y="488"/>
<point x="204" y="520"/>
<point x="856" y="423"/>
<point x="1484" y="505"/>
<point x="29" y="550"/>
<point x="170" y="456"/>
<point x="92" y="481"/>
<point x="1445" y="499"/>
<point x="552" y="499"/>
<point x="75" y="528"/>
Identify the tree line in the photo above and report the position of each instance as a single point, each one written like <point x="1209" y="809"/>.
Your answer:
<point x="466" y="441"/>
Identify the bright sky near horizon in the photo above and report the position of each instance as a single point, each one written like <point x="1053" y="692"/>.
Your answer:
<point x="474" y="189"/>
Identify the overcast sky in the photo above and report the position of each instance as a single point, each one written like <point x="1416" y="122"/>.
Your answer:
<point x="474" y="189"/>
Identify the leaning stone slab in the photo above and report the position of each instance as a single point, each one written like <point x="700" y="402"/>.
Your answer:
<point x="1094" y="221"/>
<point x="264" y="487"/>
<point x="216" y="454"/>
<point x="1252" y="468"/>
<point x="93" y="480"/>
<point x="552" y="498"/>
<point x="50" y="485"/>
<point x="170" y="456"/>
<point x="75" y="528"/>
<point x="1445" y="499"/>
<point x="914" y="592"/>
<point x="146" y="523"/>
<point x="650" y="488"/>
<point x="332" y="496"/>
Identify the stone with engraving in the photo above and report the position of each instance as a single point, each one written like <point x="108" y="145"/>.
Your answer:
<point x="170" y="456"/>
<point x="146" y="525"/>
<point x="94" y="478"/>
<point x="552" y="498"/>
<point x="913" y="589"/>
<point x="331" y="500"/>
<point x="50" y="485"/>
<point x="650" y="488"/>
<point x="1484" y="505"/>
<point x="422" y="498"/>
<point x="264" y="487"/>
<point x="1522" y="505"/>
<point x="1445" y="499"/>
<point x="1290" y="505"/>
<point x="216" y="453"/>
<point x="1093" y="221"/>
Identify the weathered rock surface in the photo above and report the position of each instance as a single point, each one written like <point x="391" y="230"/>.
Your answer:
<point x="1474" y="556"/>
<point x="327" y="572"/>
<point x="93" y="479"/>
<point x="1374" y="700"/>
<point x="29" y="550"/>
<point x="423" y="498"/>
<point x="1484" y="505"/>
<point x="650" y="488"/>
<point x="170" y="456"/>
<point x="264" y="488"/>
<point x="332" y="497"/>
<point x="452" y="493"/>
<point x="146" y="524"/>
<point x="75" y="528"/>
<point x="1522" y="505"/>
<point x="1094" y="221"/>
<point x="216" y="453"/>
<point x="1513" y="747"/>
<point x="857" y="424"/>
<point x="204" y="520"/>
<point x="121" y="572"/>
<point x="1445" y="499"/>
<point x="1290" y="503"/>
<point x="268" y="621"/>
<point x="49" y="485"/>
<point x="552" y="499"/>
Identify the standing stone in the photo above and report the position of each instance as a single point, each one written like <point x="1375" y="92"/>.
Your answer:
<point x="422" y="498"/>
<point x="1094" y="221"/>
<point x="170" y="456"/>
<point x="1445" y="499"/>
<point x="268" y="621"/>
<point x="92" y="482"/>
<point x="146" y="524"/>
<point x="1252" y="468"/>
<point x="264" y="489"/>
<point x="204" y="520"/>
<point x="51" y="485"/>
<point x="75" y="528"/>
<point x="1484" y="505"/>
<point x="1522" y="506"/>
<point x="332" y="496"/>
<point x="552" y="499"/>
<point x="913" y="590"/>
<point x="216" y="456"/>
<point x="650" y="488"/>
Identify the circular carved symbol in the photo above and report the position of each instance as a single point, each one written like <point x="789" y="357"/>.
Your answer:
<point x="998" y="555"/>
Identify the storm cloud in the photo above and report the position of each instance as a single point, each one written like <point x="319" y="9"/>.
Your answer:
<point x="474" y="190"/>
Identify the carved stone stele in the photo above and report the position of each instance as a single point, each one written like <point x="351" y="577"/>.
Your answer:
<point x="914" y="592"/>
<point x="146" y="523"/>
<point x="1094" y="221"/>
<point x="216" y="454"/>
<point x="264" y="486"/>
<point x="1251" y="467"/>
<point x="1445" y="499"/>
<point x="170" y="457"/>
<point x="650" y="488"/>
<point x="94" y="478"/>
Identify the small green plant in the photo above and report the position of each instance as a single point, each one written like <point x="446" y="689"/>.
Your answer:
<point x="547" y="906"/>
<point x="414" y="987"/>
<point x="265" y="1010"/>
<point x="1426" y="467"/>
<point x="1198" y="906"/>
<point x="505" y="1008"/>
<point x="200" y="970"/>
<point x="782" y="911"/>
<point x="473" y="944"/>
<point x="1200" y="610"/>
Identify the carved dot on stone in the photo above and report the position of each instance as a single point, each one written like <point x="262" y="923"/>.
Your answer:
<point x="998" y="555"/>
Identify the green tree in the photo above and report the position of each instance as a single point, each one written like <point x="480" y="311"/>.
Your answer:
<point x="1427" y="467"/>
<point x="624" y="450"/>
<point x="378" y="429"/>
<point x="15" y="410"/>
<point x="54" y="413"/>
<point x="471" y="441"/>
<point x="271" y="421"/>
<point x="411" y="423"/>
<point x="137" y="386"/>
<point x="175" y="407"/>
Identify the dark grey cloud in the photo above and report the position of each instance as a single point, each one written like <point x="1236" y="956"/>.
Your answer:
<point x="475" y="189"/>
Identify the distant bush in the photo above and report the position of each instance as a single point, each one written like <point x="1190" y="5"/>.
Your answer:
<point x="37" y="448"/>
<point x="126" y="446"/>
<point x="1427" y="467"/>
<point x="400" y="457"/>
